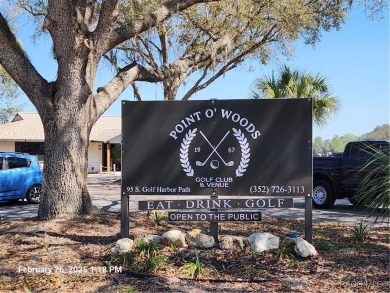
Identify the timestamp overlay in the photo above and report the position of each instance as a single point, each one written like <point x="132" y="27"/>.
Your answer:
<point x="69" y="269"/>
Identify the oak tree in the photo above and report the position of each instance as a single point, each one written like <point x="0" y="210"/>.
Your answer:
<point x="147" y="41"/>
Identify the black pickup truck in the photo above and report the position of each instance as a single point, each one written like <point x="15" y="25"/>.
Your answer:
<point x="340" y="177"/>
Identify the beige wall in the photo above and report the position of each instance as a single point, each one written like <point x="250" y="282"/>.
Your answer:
<point x="7" y="146"/>
<point x="94" y="156"/>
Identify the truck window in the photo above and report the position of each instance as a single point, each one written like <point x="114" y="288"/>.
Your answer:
<point x="359" y="152"/>
<point x="385" y="148"/>
<point x="364" y="152"/>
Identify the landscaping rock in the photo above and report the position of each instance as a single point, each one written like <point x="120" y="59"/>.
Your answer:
<point x="231" y="242"/>
<point x="196" y="238"/>
<point x="122" y="246"/>
<point x="262" y="241"/>
<point x="304" y="248"/>
<point x="149" y="237"/>
<point x="174" y="237"/>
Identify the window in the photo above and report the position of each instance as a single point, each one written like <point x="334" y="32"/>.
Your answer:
<point x="385" y="148"/>
<point x="358" y="152"/>
<point x="33" y="148"/>
<point x="14" y="163"/>
<point x="1" y="164"/>
<point x="366" y="151"/>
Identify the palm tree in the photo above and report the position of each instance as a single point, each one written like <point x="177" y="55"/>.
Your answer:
<point x="295" y="84"/>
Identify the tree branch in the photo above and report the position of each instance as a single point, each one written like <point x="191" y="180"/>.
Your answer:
<point x="16" y="63"/>
<point x="108" y="17"/>
<point x="134" y="72"/>
<point x="129" y="74"/>
<point x="195" y="87"/>
<point x="229" y="65"/>
<point x="162" y="34"/>
<point x="147" y="57"/>
<point x="111" y="91"/>
<point x="150" y="19"/>
<point x="137" y="95"/>
<point x="181" y="65"/>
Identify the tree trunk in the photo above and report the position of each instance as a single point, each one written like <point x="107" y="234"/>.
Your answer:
<point x="65" y="192"/>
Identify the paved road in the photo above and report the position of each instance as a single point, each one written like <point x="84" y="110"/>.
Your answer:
<point x="106" y="196"/>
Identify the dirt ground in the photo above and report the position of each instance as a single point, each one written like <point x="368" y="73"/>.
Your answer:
<point x="74" y="255"/>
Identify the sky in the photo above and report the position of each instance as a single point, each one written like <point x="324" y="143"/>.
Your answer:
<point x="355" y="61"/>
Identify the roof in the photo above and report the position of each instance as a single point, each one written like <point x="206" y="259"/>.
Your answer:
<point x="28" y="127"/>
<point x="106" y="129"/>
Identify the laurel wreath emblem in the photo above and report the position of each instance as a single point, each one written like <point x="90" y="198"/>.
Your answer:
<point x="245" y="152"/>
<point x="184" y="147"/>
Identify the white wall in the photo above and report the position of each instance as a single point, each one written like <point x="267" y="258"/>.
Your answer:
<point x="7" y="146"/>
<point x="94" y="157"/>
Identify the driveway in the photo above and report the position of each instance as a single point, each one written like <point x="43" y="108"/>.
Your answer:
<point x="105" y="192"/>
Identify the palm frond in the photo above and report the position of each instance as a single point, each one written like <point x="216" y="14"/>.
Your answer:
<point x="374" y="190"/>
<point x="295" y="84"/>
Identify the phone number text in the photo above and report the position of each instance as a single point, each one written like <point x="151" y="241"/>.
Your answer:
<point x="279" y="189"/>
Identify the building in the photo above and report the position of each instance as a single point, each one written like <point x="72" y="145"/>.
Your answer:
<point x="25" y="134"/>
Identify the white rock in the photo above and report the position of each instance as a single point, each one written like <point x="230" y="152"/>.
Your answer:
<point x="262" y="241"/>
<point x="304" y="248"/>
<point x="229" y="242"/>
<point x="122" y="246"/>
<point x="174" y="237"/>
<point x="196" y="238"/>
<point x="150" y="237"/>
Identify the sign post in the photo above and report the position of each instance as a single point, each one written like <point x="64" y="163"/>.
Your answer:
<point x="124" y="216"/>
<point x="258" y="148"/>
<point x="308" y="219"/>
<point x="214" y="224"/>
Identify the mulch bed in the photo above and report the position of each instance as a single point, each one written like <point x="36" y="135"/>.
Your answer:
<point x="68" y="255"/>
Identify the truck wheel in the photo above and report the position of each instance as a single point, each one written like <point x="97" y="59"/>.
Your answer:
<point x="323" y="197"/>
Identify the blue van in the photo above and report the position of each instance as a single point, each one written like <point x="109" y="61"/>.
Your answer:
<point x="20" y="177"/>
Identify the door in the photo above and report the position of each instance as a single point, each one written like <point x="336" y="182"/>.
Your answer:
<point x="14" y="176"/>
<point x="2" y="176"/>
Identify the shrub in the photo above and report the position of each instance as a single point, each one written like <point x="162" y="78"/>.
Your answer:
<point x="360" y="232"/>
<point x="373" y="193"/>
<point x="147" y="257"/>
<point x="193" y="269"/>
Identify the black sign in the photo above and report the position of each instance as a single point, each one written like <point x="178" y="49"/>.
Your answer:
<point x="249" y="203"/>
<point x="222" y="147"/>
<point x="214" y="216"/>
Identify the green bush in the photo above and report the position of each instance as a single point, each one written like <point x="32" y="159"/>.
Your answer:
<point x="147" y="257"/>
<point x="193" y="269"/>
<point x="144" y="257"/>
<point x="360" y="232"/>
<point x="373" y="193"/>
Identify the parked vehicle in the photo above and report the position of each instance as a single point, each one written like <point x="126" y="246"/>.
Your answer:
<point x="340" y="177"/>
<point x="20" y="177"/>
